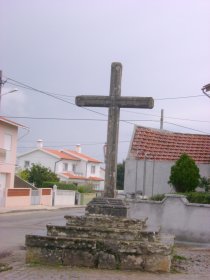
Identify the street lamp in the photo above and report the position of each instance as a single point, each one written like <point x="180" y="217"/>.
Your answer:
<point x="2" y="94"/>
<point x="13" y="90"/>
<point x="205" y="89"/>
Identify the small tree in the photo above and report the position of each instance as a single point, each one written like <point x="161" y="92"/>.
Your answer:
<point x="38" y="174"/>
<point x="184" y="174"/>
<point x="24" y="174"/>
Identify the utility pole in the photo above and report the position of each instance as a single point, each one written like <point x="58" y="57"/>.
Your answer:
<point x="161" y="119"/>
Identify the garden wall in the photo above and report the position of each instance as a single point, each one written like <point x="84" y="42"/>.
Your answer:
<point x="175" y="215"/>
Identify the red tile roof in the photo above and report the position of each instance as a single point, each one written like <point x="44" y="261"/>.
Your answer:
<point x="71" y="175"/>
<point x="60" y="154"/>
<point x="166" y="145"/>
<point x="82" y="156"/>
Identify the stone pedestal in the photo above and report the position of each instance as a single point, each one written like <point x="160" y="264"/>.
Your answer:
<point x="102" y="241"/>
<point x="107" y="206"/>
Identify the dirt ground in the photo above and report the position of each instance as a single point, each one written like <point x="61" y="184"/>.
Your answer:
<point x="189" y="262"/>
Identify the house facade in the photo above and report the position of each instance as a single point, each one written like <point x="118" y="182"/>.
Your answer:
<point x="70" y="166"/>
<point x="8" y="144"/>
<point x="152" y="153"/>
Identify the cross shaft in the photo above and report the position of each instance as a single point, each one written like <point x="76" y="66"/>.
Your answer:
<point x="114" y="102"/>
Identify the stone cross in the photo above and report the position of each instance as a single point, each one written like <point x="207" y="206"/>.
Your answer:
<point x="114" y="102"/>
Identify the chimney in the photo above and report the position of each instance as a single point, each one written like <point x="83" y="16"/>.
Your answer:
<point x="78" y="148"/>
<point x="39" y="143"/>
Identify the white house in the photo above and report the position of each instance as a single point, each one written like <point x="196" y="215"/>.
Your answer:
<point x="70" y="166"/>
<point x="151" y="154"/>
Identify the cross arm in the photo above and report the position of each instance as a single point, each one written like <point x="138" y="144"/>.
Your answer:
<point x="119" y="101"/>
<point x="92" y="101"/>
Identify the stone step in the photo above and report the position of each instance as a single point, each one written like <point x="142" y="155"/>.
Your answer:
<point x="105" y="221"/>
<point x="104" y="233"/>
<point x="100" y="253"/>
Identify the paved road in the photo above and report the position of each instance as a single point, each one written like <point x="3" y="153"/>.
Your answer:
<point x="14" y="226"/>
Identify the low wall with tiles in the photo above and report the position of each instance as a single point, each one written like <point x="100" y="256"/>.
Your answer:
<point x="175" y="215"/>
<point x="46" y="197"/>
<point x="18" y="198"/>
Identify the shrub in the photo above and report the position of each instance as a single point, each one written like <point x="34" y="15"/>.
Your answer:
<point x="66" y="186"/>
<point x="205" y="183"/>
<point x="61" y="186"/>
<point x="157" y="197"/>
<point x="192" y="197"/>
<point x="184" y="174"/>
<point x="196" y="197"/>
<point x="85" y="189"/>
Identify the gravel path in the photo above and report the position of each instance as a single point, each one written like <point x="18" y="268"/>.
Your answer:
<point x="190" y="262"/>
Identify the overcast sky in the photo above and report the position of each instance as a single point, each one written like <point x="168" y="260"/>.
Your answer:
<point x="66" y="47"/>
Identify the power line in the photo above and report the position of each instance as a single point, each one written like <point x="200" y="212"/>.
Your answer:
<point x="186" y="127"/>
<point x="56" y="95"/>
<point x="71" y="119"/>
<point x="158" y="116"/>
<point x="71" y="145"/>
<point x="126" y="121"/>
<point x="53" y="95"/>
<point x="179" y="97"/>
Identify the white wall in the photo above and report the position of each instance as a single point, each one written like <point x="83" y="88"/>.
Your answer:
<point x="175" y="215"/>
<point x="97" y="169"/>
<point x="37" y="157"/>
<point x="64" y="197"/>
<point x="134" y="174"/>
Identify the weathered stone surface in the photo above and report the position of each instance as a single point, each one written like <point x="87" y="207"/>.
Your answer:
<point x="43" y="255"/>
<point x="109" y="247"/>
<point x="157" y="263"/>
<point x="78" y="258"/>
<point x="105" y="221"/>
<point x="106" y="261"/>
<point x="131" y="262"/>
<point x="107" y="206"/>
<point x="102" y="233"/>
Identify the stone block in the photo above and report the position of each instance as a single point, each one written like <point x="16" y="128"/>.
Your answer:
<point x="131" y="262"/>
<point x="106" y="261"/>
<point x="42" y="255"/>
<point x="157" y="263"/>
<point x="107" y="206"/>
<point x="106" y="221"/>
<point x="78" y="258"/>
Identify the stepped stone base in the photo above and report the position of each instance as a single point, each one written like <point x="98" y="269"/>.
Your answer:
<point x="102" y="241"/>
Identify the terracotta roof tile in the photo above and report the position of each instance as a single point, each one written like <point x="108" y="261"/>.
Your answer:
<point x="166" y="145"/>
<point x="71" y="175"/>
<point x="82" y="156"/>
<point x="60" y="154"/>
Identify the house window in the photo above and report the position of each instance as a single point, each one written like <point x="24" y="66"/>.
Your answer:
<point x="93" y="169"/>
<point x="65" y="166"/>
<point x="26" y="164"/>
<point x="74" y="168"/>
